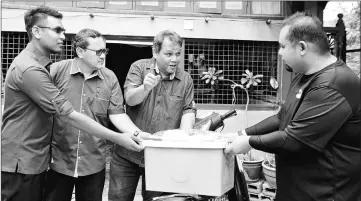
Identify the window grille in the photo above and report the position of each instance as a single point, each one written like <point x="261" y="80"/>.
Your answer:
<point x="12" y="43"/>
<point x="233" y="57"/>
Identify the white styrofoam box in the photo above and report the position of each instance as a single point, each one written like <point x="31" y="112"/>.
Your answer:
<point x="192" y="167"/>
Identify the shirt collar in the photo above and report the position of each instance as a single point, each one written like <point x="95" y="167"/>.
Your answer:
<point x="154" y="67"/>
<point x="39" y="56"/>
<point x="75" y="69"/>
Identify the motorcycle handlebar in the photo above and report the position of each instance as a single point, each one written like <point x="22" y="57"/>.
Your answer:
<point x="228" y="114"/>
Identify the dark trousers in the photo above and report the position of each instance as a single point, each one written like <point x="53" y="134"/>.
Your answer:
<point x="22" y="187"/>
<point x="59" y="187"/>
<point x="123" y="180"/>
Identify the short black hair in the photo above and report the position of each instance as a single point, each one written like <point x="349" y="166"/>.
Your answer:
<point x="34" y="15"/>
<point x="80" y="39"/>
<point x="159" y="38"/>
<point x="305" y="27"/>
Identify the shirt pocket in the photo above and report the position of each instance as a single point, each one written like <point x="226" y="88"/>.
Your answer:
<point x="175" y="108"/>
<point x="101" y="102"/>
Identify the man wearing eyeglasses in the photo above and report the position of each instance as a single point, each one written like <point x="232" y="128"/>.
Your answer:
<point x="78" y="158"/>
<point x="32" y="102"/>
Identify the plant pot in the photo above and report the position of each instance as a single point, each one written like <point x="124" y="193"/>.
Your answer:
<point x="252" y="169"/>
<point x="269" y="174"/>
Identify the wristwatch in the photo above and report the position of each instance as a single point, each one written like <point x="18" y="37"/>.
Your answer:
<point x="242" y="132"/>
<point x="136" y="133"/>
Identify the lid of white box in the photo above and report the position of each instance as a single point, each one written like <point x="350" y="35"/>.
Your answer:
<point x="186" y="144"/>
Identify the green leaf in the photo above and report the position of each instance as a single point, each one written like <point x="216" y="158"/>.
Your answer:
<point x="258" y="76"/>
<point x="244" y="80"/>
<point x="273" y="83"/>
<point x="211" y="70"/>
<point x="205" y="77"/>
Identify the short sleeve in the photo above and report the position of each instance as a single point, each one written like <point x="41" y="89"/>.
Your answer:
<point x="189" y="104"/>
<point x="320" y="115"/>
<point x="116" y="102"/>
<point x="37" y="84"/>
<point x="134" y="78"/>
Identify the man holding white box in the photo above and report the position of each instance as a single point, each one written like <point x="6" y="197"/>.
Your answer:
<point x="316" y="134"/>
<point x="159" y="96"/>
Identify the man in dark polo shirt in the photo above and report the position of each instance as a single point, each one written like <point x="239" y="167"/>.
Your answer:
<point x="316" y="134"/>
<point x="159" y="96"/>
<point x="78" y="159"/>
<point x="31" y="103"/>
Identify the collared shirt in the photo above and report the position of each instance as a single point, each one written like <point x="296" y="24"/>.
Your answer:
<point x="77" y="153"/>
<point x="31" y="101"/>
<point x="171" y="77"/>
<point x="162" y="108"/>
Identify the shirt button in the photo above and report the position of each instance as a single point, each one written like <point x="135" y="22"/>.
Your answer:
<point x="81" y="142"/>
<point x="79" y="157"/>
<point x="83" y="94"/>
<point x="82" y="110"/>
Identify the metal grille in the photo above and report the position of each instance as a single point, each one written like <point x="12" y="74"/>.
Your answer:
<point x="233" y="57"/>
<point x="12" y="43"/>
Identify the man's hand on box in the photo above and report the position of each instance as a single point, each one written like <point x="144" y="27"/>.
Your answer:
<point x="144" y="135"/>
<point x="239" y="146"/>
<point x="229" y="137"/>
<point x="130" y="142"/>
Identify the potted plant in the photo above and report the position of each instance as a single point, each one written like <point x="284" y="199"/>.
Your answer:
<point x="212" y="77"/>
<point x="269" y="170"/>
<point x="252" y="165"/>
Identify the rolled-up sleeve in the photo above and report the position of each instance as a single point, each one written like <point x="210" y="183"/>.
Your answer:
<point x="189" y="104"/>
<point x="116" y="101"/>
<point x="37" y="84"/>
<point x="134" y="78"/>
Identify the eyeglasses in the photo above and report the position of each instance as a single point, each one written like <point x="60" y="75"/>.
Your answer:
<point x="100" y="52"/>
<point x="57" y="30"/>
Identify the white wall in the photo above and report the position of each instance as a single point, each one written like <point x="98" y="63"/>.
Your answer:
<point x="238" y="122"/>
<point x="125" y="24"/>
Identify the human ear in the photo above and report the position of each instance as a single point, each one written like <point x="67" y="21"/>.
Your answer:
<point x="36" y="32"/>
<point x="303" y="47"/>
<point x="79" y="52"/>
<point x="155" y="54"/>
